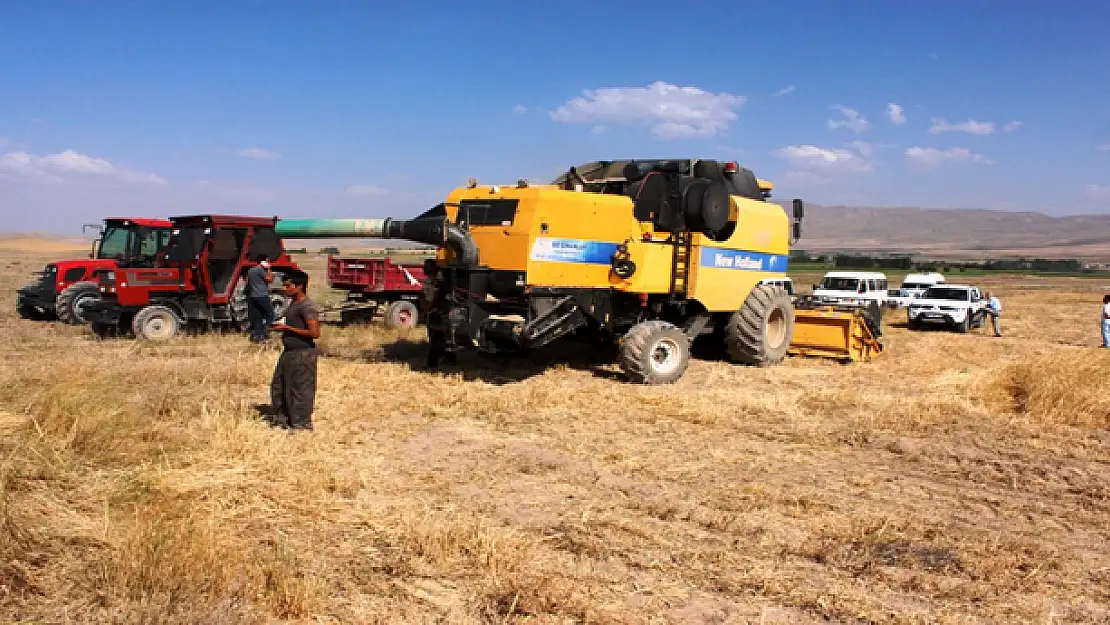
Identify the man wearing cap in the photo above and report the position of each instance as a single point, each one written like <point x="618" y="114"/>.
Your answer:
<point x="260" y="311"/>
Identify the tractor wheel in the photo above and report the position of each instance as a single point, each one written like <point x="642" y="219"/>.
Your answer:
<point x="237" y="304"/>
<point x="760" y="332"/>
<point x="71" y="301"/>
<point x="156" y="323"/>
<point x="401" y="314"/>
<point x="654" y="352"/>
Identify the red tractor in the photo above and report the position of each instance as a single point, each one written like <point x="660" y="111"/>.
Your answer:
<point x="199" y="279"/>
<point x="64" y="287"/>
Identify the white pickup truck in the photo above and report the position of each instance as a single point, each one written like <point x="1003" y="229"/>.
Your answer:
<point x="957" y="306"/>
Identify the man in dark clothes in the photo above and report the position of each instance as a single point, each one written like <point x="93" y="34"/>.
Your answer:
<point x="293" y="388"/>
<point x="260" y="311"/>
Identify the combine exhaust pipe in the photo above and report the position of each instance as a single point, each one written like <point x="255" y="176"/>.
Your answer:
<point x="438" y="231"/>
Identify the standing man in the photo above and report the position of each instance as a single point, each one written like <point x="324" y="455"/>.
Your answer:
<point x="259" y="309"/>
<point x="994" y="309"/>
<point x="293" y="388"/>
<point x="1106" y="320"/>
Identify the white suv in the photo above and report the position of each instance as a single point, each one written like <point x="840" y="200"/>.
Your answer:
<point x="955" y="305"/>
<point x="852" y="288"/>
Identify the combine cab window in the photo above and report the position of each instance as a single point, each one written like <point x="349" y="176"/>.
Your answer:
<point x="114" y="243"/>
<point x="487" y="212"/>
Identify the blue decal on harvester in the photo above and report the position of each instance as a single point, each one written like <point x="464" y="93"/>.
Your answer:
<point x="742" y="259"/>
<point x="573" y="251"/>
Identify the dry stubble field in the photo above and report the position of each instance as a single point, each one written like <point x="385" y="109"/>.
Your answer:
<point x="958" y="479"/>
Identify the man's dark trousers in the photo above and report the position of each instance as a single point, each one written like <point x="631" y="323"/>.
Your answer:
<point x="293" y="388"/>
<point x="260" y="311"/>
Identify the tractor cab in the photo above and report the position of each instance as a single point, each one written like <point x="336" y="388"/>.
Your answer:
<point x="220" y="248"/>
<point x="199" y="278"/>
<point x="131" y="242"/>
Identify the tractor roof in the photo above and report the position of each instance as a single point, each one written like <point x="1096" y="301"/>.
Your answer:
<point x="140" y="221"/>
<point x="221" y="220"/>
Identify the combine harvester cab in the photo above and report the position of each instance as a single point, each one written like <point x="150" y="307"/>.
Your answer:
<point x="65" y="287"/>
<point x="646" y="256"/>
<point x="198" y="279"/>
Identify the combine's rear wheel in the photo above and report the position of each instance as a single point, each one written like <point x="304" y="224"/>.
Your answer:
<point x="401" y="314"/>
<point x="71" y="301"/>
<point x="156" y="323"/>
<point x="760" y="332"/>
<point x="654" y="352"/>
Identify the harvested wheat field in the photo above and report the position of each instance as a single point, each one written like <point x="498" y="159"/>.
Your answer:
<point x="957" y="479"/>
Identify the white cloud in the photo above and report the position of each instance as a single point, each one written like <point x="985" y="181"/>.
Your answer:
<point x="786" y="90"/>
<point x="1103" y="148"/>
<point x="365" y="190"/>
<point x="863" y="147"/>
<point x="672" y="112"/>
<point x="970" y="126"/>
<point x="814" y="157"/>
<point x="53" y="167"/>
<point x="1098" y="191"/>
<point x="597" y="130"/>
<point x="896" y="114"/>
<point x="1013" y="125"/>
<point x="933" y="157"/>
<point x="258" y="153"/>
<point x="852" y="119"/>
<point x="520" y="109"/>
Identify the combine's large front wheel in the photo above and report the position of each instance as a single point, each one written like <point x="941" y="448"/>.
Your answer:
<point x="156" y="323"/>
<point x="654" y="352"/>
<point x="760" y="332"/>
<point x="71" y="302"/>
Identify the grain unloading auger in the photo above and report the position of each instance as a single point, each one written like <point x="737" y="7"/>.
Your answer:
<point x="648" y="255"/>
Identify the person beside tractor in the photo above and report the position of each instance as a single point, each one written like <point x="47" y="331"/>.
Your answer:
<point x="427" y="302"/>
<point x="293" y="387"/>
<point x="260" y="311"/>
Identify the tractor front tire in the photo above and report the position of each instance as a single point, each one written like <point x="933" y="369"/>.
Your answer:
<point x="156" y="323"/>
<point x="70" y="301"/>
<point x="654" y="352"/>
<point x="401" y="314"/>
<point x="760" y="332"/>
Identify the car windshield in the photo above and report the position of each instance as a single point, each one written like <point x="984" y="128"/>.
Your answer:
<point x="962" y="295"/>
<point x="114" y="243"/>
<point x="840" y="284"/>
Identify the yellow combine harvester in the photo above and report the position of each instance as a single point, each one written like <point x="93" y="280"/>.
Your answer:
<point x="647" y="255"/>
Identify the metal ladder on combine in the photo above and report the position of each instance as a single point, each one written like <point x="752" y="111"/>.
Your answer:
<point x="680" y="263"/>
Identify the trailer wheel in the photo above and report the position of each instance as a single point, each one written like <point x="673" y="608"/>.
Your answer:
<point x="71" y="301"/>
<point x="156" y="323"/>
<point x="654" y="352"/>
<point x="401" y="314"/>
<point x="760" y="332"/>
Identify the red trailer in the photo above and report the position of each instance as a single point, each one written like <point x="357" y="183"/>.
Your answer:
<point x="373" y="282"/>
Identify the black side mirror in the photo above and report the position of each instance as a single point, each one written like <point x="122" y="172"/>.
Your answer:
<point x="799" y="209"/>
<point x="797" y="230"/>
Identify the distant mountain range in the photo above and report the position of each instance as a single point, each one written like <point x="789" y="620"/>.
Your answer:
<point x="965" y="233"/>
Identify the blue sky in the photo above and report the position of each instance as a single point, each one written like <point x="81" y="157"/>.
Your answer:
<point x="335" y="108"/>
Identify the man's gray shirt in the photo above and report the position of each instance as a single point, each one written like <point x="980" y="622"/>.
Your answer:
<point x="256" y="282"/>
